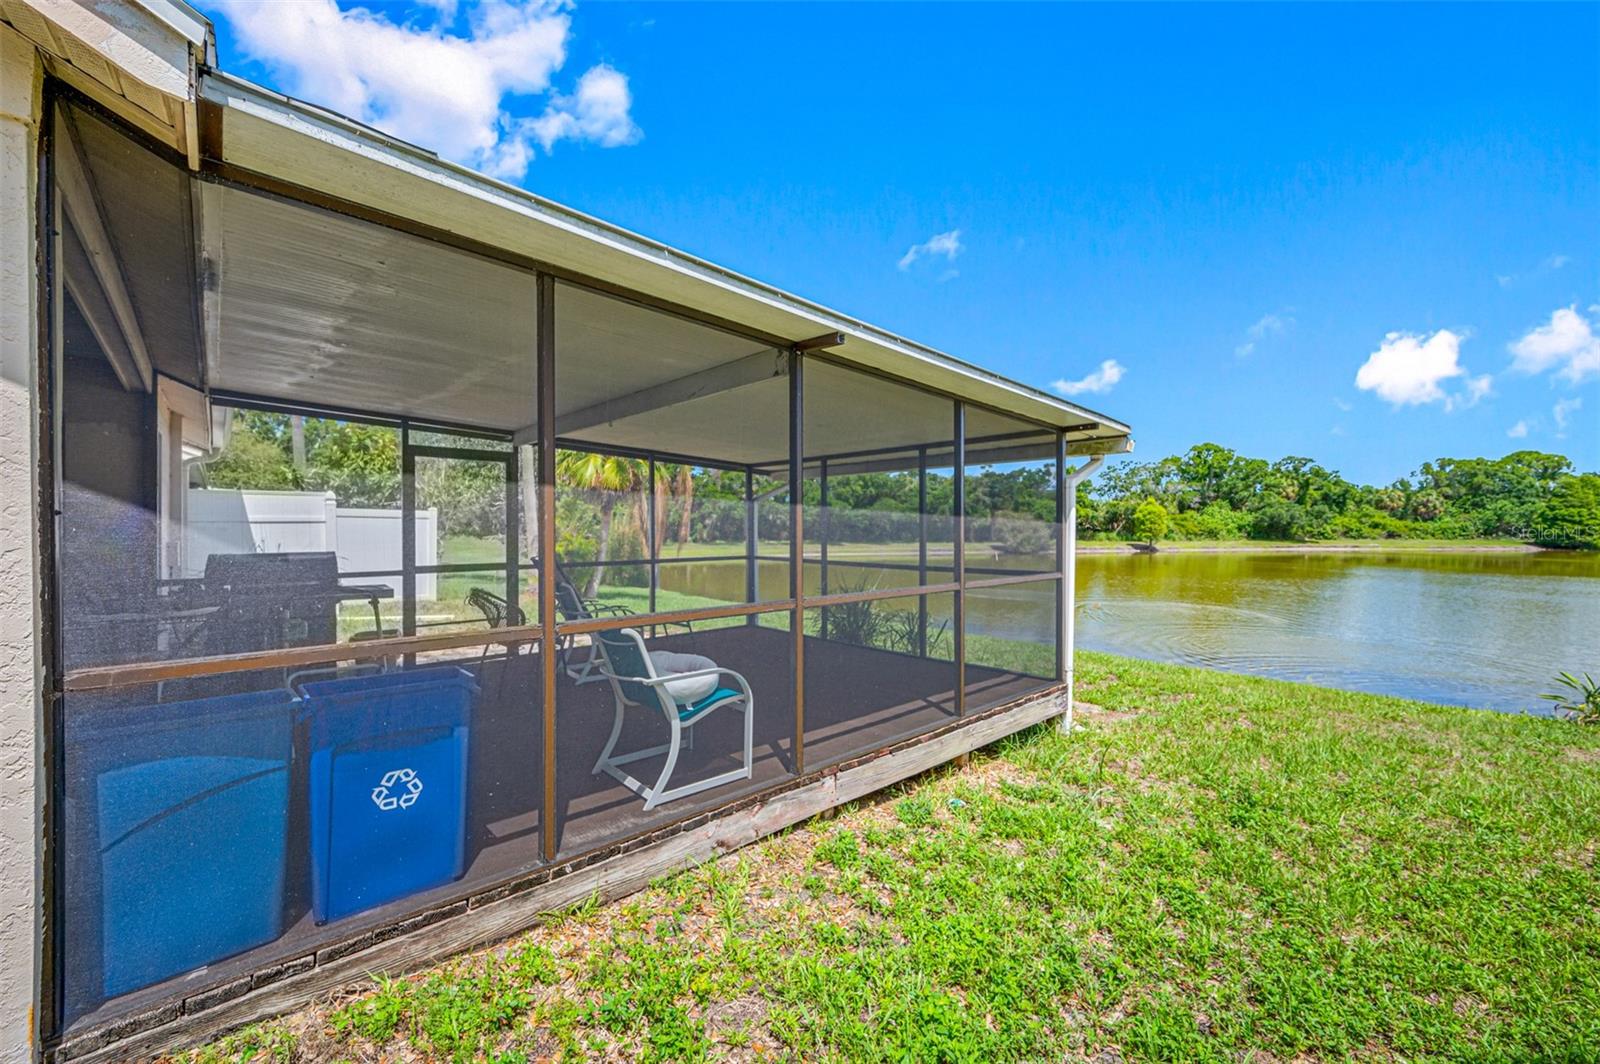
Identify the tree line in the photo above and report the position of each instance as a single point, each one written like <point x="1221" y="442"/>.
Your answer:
<point x="1212" y="492"/>
<point x="1209" y="492"/>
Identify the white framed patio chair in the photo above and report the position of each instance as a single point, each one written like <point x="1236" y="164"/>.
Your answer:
<point x="687" y="689"/>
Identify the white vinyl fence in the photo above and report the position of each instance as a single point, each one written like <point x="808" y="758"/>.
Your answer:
<point x="225" y="521"/>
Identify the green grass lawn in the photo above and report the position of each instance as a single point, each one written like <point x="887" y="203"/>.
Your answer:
<point x="1213" y="867"/>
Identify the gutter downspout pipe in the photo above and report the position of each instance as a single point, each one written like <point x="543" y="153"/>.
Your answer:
<point x="1069" y="576"/>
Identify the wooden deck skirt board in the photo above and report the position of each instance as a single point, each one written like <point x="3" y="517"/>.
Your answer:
<point x="505" y="910"/>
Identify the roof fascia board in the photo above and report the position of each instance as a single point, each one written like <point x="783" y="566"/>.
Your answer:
<point x="151" y="42"/>
<point x="136" y="58"/>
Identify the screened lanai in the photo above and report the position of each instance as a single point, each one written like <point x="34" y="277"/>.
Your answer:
<point x="360" y="519"/>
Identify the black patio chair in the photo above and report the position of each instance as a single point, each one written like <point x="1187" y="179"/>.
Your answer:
<point x="497" y="612"/>
<point x="572" y="606"/>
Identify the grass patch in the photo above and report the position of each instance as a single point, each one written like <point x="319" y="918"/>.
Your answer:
<point x="1212" y="866"/>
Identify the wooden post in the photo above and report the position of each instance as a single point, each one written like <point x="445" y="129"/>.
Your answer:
<point x="752" y="543"/>
<point x="408" y="535"/>
<point x="513" y="541"/>
<point x="826" y="521"/>
<point x="797" y="552"/>
<point x="545" y="368"/>
<point x="650" y="534"/>
<point x="922" y="550"/>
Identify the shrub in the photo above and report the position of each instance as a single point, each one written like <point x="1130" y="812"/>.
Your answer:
<point x="1150" y="521"/>
<point x="1279" y="519"/>
<point x="1580" y="702"/>
<point x="1016" y="533"/>
<point x="1221" y="521"/>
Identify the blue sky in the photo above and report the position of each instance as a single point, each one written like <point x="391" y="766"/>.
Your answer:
<point x="1244" y="208"/>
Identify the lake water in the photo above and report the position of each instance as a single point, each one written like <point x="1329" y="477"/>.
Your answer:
<point x="1480" y="629"/>
<point x="1475" y="629"/>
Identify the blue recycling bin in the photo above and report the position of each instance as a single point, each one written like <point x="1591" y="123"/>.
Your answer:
<point x="388" y="780"/>
<point x="177" y="835"/>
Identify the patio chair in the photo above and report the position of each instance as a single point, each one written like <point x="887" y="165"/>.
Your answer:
<point x="687" y="689"/>
<point x="497" y="612"/>
<point x="571" y="606"/>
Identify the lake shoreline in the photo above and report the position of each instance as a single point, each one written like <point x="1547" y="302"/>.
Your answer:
<point x="856" y="552"/>
<point x="1334" y="547"/>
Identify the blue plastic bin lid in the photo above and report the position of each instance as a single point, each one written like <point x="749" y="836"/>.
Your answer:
<point x="94" y="724"/>
<point x="352" y="687"/>
<point x="360" y="707"/>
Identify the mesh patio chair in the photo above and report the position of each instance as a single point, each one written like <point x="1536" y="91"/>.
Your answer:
<point x="497" y="612"/>
<point x="687" y="689"/>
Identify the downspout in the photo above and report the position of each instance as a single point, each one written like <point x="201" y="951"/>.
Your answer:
<point x="1069" y="576"/>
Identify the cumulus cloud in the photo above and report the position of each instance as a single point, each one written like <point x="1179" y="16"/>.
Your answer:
<point x="597" y="112"/>
<point x="946" y="244"/>
<point x="1567" y="344"/>
<point x="1518" y="431"/>
<point x="1101" y="380"/>
<point x="1406" y="369"/>
<point x="1268" y="325"/>
<point x="441" y="82"/>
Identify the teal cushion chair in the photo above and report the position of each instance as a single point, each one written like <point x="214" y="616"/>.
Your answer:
<point x="686" y="690"/>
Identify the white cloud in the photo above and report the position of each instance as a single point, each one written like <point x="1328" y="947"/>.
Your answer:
<point x="1562" y="412"/>
<point x="1518" y="431"/>
<point x="1269" y="325"/>
<point x="1567" y="344"/>
<point x="1101" y="380"/>
<point x="1406" y="369"/>
<point x="597" y="112"/>
<point x="432" y="86"/>
<point x="1555" y="262"/>
<point x="1478" y="389"/>
<point x="946" y="244"/>
<point x="1342" y="405"/>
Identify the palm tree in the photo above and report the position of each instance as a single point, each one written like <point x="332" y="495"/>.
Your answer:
<point x="684" y="486"/>
<point x="674" y="481"/>
<point x="609" y="476"/>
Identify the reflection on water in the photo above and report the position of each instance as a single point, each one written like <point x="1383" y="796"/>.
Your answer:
<point x="1478" y="629"/>
<point x="1473" y="629"/>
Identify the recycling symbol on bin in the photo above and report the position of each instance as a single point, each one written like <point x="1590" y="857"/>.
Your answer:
<point x="399" y="789"/>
